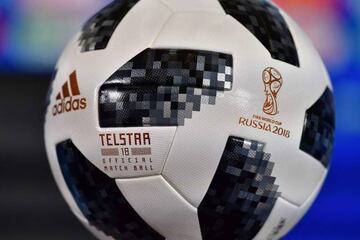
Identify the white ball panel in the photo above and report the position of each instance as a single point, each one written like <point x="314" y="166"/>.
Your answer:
<point x="161" y="141"/>
<point x="298" y="174"/>
<point x="280" y="220"/>
<point x="313" y="71"/>
<point x="307" y="51"/>
<point x="194" y="6"/>
<point x="302" y="210"/>
<point x="162" y="207"/>
<point x="209" y="31"/>
<point x="191" y="172"/>
<point x="137" y="31"/>
<point x="131" y="37"/>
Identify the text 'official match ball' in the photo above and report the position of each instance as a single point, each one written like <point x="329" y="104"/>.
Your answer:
<point x="190" y="120"/>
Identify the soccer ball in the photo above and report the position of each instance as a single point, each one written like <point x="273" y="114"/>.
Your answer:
<point x="189" y="120"/>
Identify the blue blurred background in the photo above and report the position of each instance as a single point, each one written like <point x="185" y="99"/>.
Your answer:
<point x="32" y="35"/>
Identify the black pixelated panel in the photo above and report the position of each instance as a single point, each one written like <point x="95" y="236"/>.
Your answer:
<point x="242" y="193"/>
<point x="265" y="21"/>
<point x="98" y="30"/>
<point x="163" y="87"/>
<point x="319" y="129"/>
<point x="99" y="198"/>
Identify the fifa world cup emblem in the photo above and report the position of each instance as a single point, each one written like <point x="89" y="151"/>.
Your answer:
<point x="273" y="82"/>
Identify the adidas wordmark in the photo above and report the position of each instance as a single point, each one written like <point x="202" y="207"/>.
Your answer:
<point x="69" y="99"/>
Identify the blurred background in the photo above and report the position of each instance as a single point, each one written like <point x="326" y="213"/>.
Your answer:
<point x="33" y="34"/>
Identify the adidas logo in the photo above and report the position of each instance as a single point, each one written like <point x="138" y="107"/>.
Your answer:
<point x="68" y="99"/>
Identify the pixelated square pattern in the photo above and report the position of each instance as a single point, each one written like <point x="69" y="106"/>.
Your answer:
<point x="242" y="193"/>
<point x="98" y="31"/>
<point x="319" y="129"/>
<point x="163" y="87"/>
<point x="267" y="24"/>
<point x="99" y="198"/>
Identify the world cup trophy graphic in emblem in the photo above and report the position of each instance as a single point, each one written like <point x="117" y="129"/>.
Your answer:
<point x="273" y="82"/>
